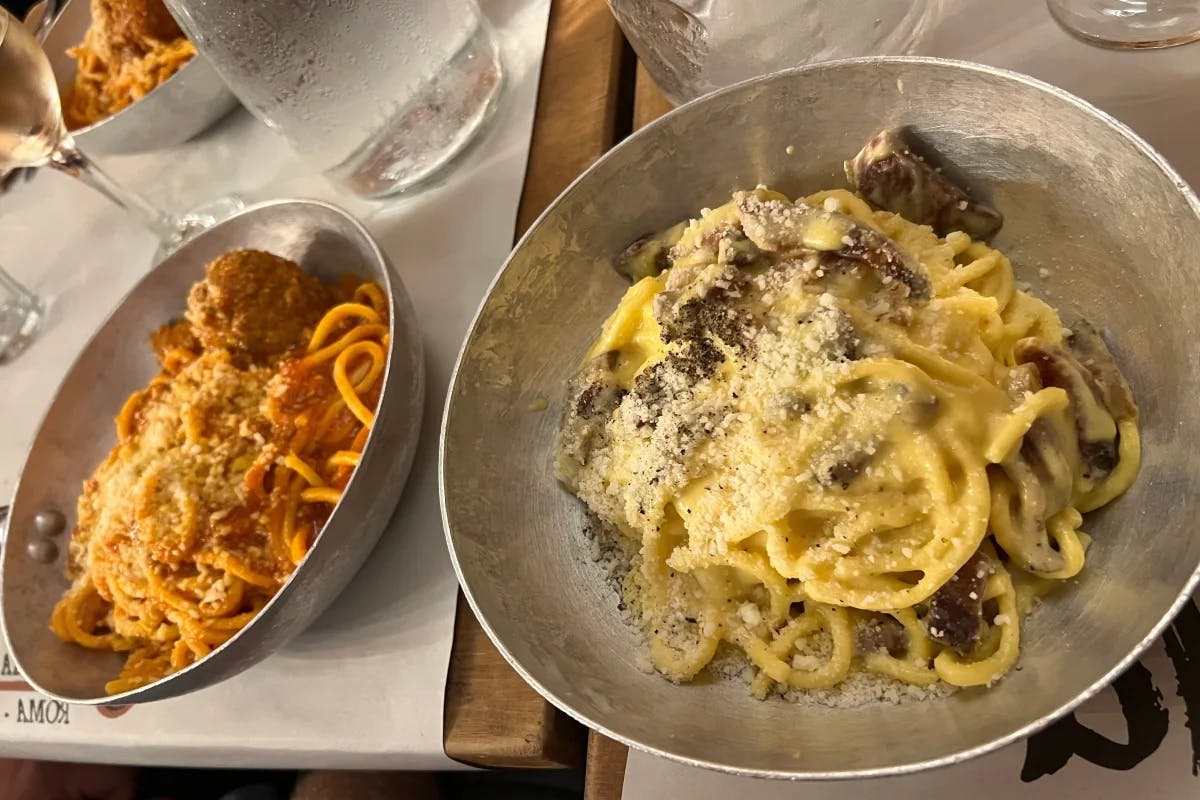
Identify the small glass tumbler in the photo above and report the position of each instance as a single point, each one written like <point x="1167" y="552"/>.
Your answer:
<point x="1129" y="24"/>
<point x="21" y="314"/>
<point x="378" y="94"/>
<point x="692" y="47"/>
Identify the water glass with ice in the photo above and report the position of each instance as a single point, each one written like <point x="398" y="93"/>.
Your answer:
<point x="378" y="94"/>
<point x="21" y="314"/>
<point x="692" y="47"/>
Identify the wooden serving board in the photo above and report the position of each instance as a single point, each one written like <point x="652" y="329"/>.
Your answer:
<point x="492" y="717"/>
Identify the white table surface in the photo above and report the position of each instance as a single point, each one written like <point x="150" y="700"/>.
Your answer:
<point x="364" y="687"/>
<point x="1008" y="774"/>
<point x="1157" y="93"/>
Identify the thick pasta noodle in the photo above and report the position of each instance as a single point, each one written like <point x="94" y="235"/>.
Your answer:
<point x="227" y="464"/>
<point x="841" y="443"/>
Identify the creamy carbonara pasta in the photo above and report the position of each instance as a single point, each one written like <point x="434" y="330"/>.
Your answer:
<point x="841" y="441"/>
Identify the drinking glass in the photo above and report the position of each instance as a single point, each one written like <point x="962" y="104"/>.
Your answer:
<point x="1129" y="24"/>
<point x="33" y="134"/>
<point x="378" y="94"/>
<point x="692" y="47"/>
<point x="20" y="317"/>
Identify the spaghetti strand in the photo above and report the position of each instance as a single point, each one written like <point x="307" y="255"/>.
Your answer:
<point x="222" y="478"/>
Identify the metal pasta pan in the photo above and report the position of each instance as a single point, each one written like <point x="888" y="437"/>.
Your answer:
<point x="183" y="106"/>
<point x="77" y="432"/>
<point x="1085" y="200"/>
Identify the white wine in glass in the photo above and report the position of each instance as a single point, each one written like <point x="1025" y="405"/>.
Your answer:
<point x="33" y="134"/>
<point x="31" y="123"/>
<point x="1129" y="24"/>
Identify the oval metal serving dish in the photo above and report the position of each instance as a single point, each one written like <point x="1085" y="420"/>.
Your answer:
<point x="77" y="432"/>
<point x="1083" y="198"/>
<point x="186" y="104"/>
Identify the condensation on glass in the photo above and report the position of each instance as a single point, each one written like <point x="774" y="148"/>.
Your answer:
<point x="378" y="94"/>
<point x="692" y="47"/>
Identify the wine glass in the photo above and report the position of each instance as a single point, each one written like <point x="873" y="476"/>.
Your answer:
<point x="21" y="313"/>
<point x="1129" y="24"/>
<point x="33" y="134"/>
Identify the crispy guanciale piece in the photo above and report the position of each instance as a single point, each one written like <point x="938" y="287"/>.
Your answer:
<point x="889" y="175"/>
<point x="1095" y="423"/>
<point x="1042" y="477"/>
<point x="1110" y="384"/>
<point x="955" y="615"/>
<point x="777" y="226"/>
<point x="881" y="634"/>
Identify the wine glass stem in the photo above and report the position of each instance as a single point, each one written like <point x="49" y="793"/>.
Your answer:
<point x="68" y="159"/>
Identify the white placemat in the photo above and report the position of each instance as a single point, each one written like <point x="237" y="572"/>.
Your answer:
<point x="1157" y="93"/>
<point x="1131" y="740"/>
<point x="364" y="687"/>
